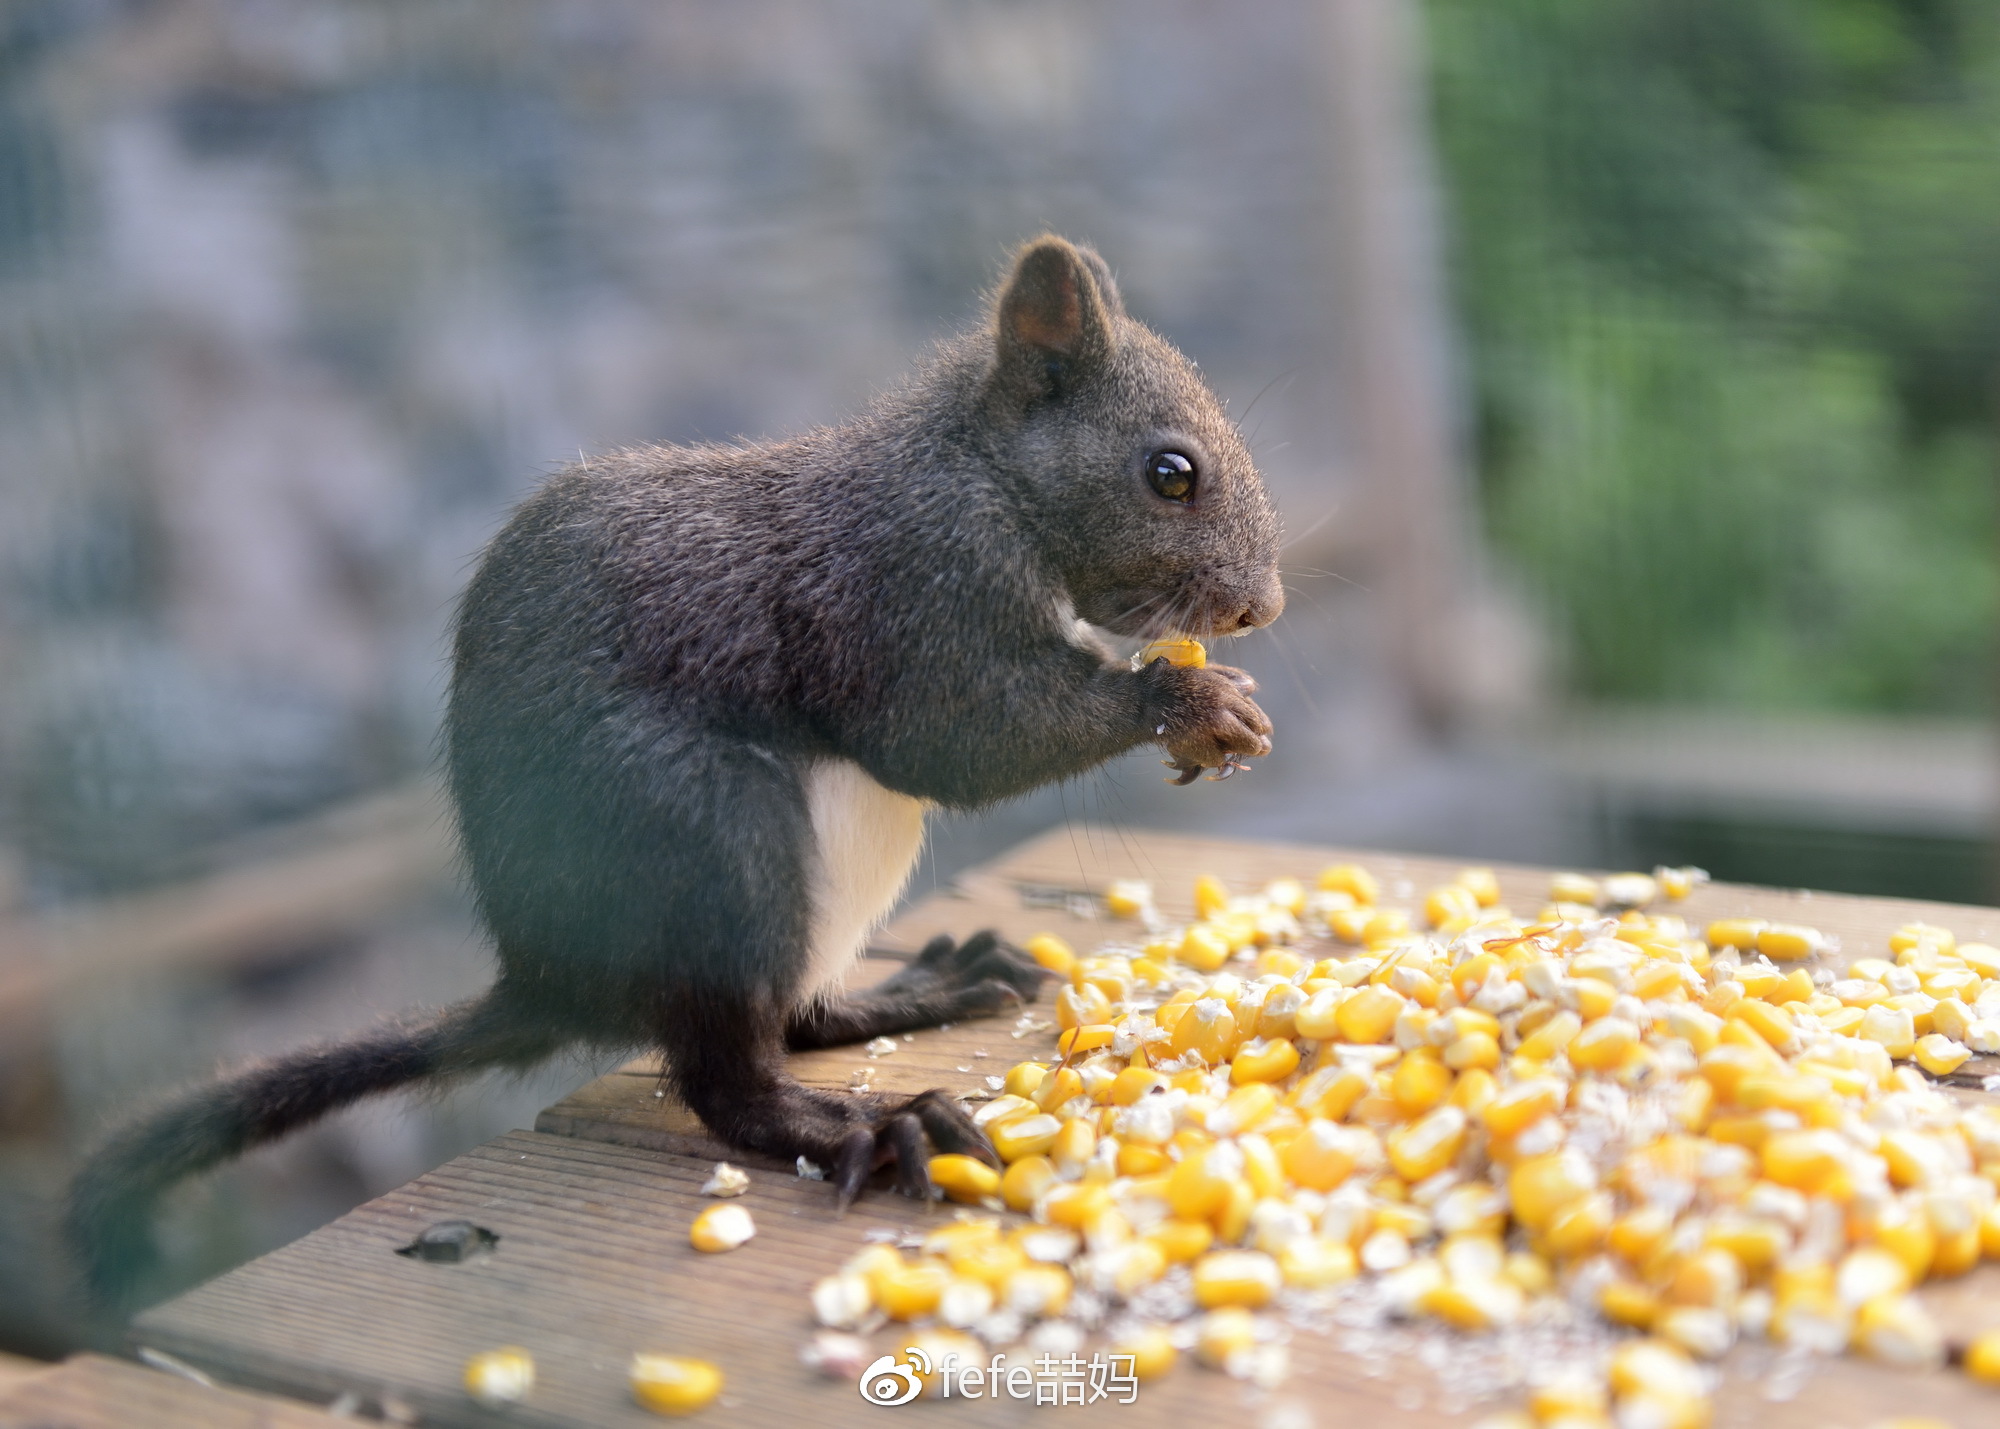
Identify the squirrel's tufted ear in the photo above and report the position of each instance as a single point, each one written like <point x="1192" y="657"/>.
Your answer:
<point x="1057" y="311"/>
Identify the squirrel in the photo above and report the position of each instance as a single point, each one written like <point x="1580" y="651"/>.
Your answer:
<point x="702" y="697"/>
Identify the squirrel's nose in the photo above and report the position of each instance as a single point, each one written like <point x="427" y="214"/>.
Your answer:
<point x="1263" y="608"/>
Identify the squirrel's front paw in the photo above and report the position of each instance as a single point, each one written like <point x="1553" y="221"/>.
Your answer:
<point x="1211" y="721"/>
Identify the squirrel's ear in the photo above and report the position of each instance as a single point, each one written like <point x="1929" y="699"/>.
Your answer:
<point x="1057" y="310"/>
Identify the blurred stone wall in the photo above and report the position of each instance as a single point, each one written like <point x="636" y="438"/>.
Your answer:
<point x="297" y="296"/>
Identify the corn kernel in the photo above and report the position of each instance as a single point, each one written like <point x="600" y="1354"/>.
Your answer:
<point x="500" y="1377"/>
<point x="1788" y="942"/>
<point x="1203" y="948"/>
<point x="1029" y="1175"/>
<point x="1428" y="1145"/>
<point x="1264" y="1060"/>
<point x="672" y="1384"/>
<point x="1081" y="1006"/>
<point x="1036" y="1291"/>
<point x="1521" y="1105"/>
<point x="1602" y="1045"/>
<point x="1893" y="1028"/>
<point x="1352" y="879"/>
<point x="1128" y="897"/>
<point x="911" y="1289"/>
<point x="1027" y="1136"/>
<point x="1768" y="1023"/>
<point x="1368" y="1015"/>
<point x="1313" y="1263"/>
<point x="1246" y="1278"/>
<point x="1574" y="888"/>
<point x="1181" y="1240"/>
<point x="1898" y="1331"/>
<point x="1572" y="1394"/>
<point x="725" y="1227"/>
<point x="1151" y="1350"/>
<point x="1475" y="1304"/>
<point x="1450" y="904"/>
<point x="1208" y="1028"/>
<point x="1551" y="1038"/>
<point x="964" y="1178"/>
<point x="1939" y="1055"/>
<point x="1541" y="1186"/>
<point x="1624" y="1302"/>
<point x="1982" y="1357"/>
<point x="1225" y="1334"/>
<point x="1052" y="953"/>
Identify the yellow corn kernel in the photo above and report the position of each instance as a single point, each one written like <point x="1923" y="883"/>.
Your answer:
<point x="1725" y="1065"/>
<point x="1199" y="1186"/>
<point x="1421" y="1081"/>
<point x="1982" y="958"/>
<point x="1264" y="1060"/>
<point x="1677" y="883"/>
<point x="1059" y="1088"/>
<point x="1352" y="879"/>
<point x="1541" y="1186"/>
<point x="1323" y="1155"/>
<point x="1211" y="896"/>
<point x="1989" y="1232"/>
<point x="1313" y="1262"/>
<point x="1571" y="1396"/>
<point x="1898" y="1331"/>
<point x="1551" y="1038"/>
<point x="1073" y="1146"/>
<point x="1602" y="1045"/>
<point x="1982" y="1357"/>
<point x="1521" y="1105"/>
<point x="1245" y="1278"/>
<point x="1768" y="1023"/>
<point x="1893" y="1028"/>
<point x="1247" y="1106"/>
<point x="1626" y="1302"/>
<point x="1316" y="1018"/>
<point x="1023" y="1078"/>
<point x="1151" y="1350"/>
<point x="1181" y="1239"/>
<point x="1754" y="1242"/>
<point x="1187" y="653"/>
<point x="911" y="1289"/>
<point x="1709" y="1277"/>
<point x="1579" y="1228"/>
<point x="1482" y="883"/>
<point x="1450" y="903"/>
<point x="1384" y="928"/>
<point x="1787" y="942"/>
<point x="1428" y="1145"/>
<point x="1574" y="888"/>
<point x="1735" y="933"/>
<point x="500" y="1377"/>
<point x="1037" y="1291"/>
<point x="1076" y="1204"/>
<point x="1331" y="1093"/>
<point x="1028" y="1176"/>
<point x="1368" y="1015"/>
<point x="1081" y="1006"/>
<point x="1347" y="923"/>
<point x="673" y="1384"/>
<point x="1475" y="1051"/>
<point x="964" y="1178"/>
<point x="1052" y="953"/>
<point x="1915" y="935"/>
<point x="1529" y="1271"/>
<point x="1475" y="1304"/>
<point x="1079" y="1040"/>
<point x="1635" y="1235"/>
<point x="1203" y="948"/>
<point x="1233" y="1220"/>
<point x="1225" y="1334"/>
<point x="1128" y="897"/>
<point x="1208" y="1028"/>
<point x="723" y="1227"/>
<point x="1795" y="986"/>
<point x="1905" y="1232"/>
<point x="1939" y="1055"/>
<point x="1027" y="1136"/>
<point x="1261" y="1171"/>
<point x="1137" y="1159"/>
<point x="1130" y="1085"/>
<point x="1278" y="1017"/>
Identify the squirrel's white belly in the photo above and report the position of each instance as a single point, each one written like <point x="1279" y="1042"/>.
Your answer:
<point x="866" y="840"/>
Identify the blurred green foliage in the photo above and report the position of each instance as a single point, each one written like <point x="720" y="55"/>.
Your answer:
<point x="1731" y="274"/>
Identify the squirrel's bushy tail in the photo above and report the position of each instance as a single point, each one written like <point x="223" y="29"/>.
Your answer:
<point x="111" y="1200"/>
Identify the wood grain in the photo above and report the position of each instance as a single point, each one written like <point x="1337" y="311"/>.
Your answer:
<point x="593" y="1207"/>
<point x="93" y="1392"/>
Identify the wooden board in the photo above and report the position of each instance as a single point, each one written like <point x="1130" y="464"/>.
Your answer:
<point x="93" y="1392"/>
<point x="593" y="1207"/>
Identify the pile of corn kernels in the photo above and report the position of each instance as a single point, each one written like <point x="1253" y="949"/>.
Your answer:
<point x="1488" y="1122"/>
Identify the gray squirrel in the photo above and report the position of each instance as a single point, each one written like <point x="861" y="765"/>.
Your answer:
<point x="702" y="697"/>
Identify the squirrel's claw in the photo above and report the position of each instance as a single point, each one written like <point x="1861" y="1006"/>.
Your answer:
<point x="1188" y="772"/>
<point x="1231" y="764"/>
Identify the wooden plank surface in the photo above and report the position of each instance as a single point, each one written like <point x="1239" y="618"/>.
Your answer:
<point x="592" y="1209"/>
<point x="93" y="1392"/>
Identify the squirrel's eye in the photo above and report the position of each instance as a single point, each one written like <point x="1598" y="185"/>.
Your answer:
<point x="1172" y="475"/>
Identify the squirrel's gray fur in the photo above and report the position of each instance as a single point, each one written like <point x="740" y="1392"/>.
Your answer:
<point x="671" y="655"/>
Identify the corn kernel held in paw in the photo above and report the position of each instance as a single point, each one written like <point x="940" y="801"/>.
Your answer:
<point x="1186" y="654"/>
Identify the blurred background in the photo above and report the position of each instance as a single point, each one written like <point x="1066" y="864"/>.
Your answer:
<point x="1626" y="372"/>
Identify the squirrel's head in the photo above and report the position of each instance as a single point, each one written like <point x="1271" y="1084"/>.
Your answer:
<point x="1140" y="488"/>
